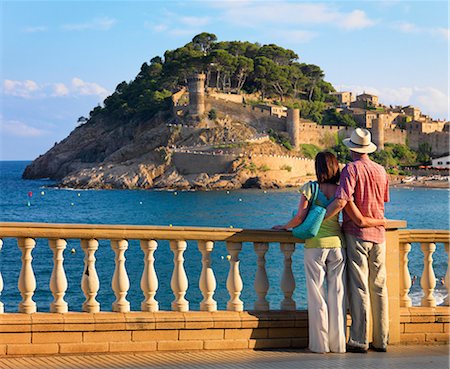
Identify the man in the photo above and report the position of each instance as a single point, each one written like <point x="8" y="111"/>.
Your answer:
<point x="366" y="184"/>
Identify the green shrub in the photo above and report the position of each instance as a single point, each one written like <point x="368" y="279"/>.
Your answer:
<point x="287" y="145"/>
<point x="286" y="167"/>
<point x="309" y="150"/>
<point x="251" y="167"/>
<point x="212" y="115"/>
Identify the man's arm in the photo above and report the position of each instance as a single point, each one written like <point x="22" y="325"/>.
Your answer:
<point x="360" y="220"/>
<point x="335" y="207"/>
<point x="344" y="193"/>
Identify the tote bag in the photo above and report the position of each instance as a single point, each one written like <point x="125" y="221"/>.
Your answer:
<point x="313" y="220"/>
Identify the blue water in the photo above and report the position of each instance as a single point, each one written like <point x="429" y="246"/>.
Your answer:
<point x="257" y="209"/>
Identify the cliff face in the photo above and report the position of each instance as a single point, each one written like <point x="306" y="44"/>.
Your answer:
<point x="97" y="145"/>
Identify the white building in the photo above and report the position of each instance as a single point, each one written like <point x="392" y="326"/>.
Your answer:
<point x="442" y="162"/>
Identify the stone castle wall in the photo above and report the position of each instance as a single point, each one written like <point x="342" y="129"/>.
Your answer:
<point x="312" y="133"/>
<point x="289" y="166"/>
<point x="439" y="141"/>
<point x="196" y="163"/>
<point x="255" y="117"/>
<point x="395" y="136"/>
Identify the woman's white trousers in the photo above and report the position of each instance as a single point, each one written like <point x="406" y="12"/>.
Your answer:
<point x="326" y="305"/>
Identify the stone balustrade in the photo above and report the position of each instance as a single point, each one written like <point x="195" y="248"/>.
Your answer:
<point x="427" y="239"/>
<point x="57" y="234"/>
<point x="399" y="244"/>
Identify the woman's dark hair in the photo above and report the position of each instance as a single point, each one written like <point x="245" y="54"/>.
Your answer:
<point x="327" y="168"/>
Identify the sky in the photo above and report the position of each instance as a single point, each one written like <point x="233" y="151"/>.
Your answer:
<point x="60" y="59"/>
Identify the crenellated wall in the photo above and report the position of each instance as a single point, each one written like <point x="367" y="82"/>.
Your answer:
<point x="203" y="162"/>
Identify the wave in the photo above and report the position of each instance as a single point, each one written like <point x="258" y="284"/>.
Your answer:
<point x="439" y="294"/>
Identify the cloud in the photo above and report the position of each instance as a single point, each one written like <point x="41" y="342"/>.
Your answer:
<point x="35" y="29"/>
<point x="19" y="129"/>
<point x="195" y="21"/>
<point x="441" y="32"/>
<point x="25" y="89"/>
<point x="81" y="87"/>
<point x="430" y="100"/>
<point x="411" y="28"/>
<point x="357" y="19"/>
<point x="32" y="90"/>
<point x="175" y="31"/>
<point x="293" y="13"/>
<point x="60" y="89"/>
<point x="97" y="24"/>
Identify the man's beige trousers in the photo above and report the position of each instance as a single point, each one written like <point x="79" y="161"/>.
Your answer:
<point x="366" y="289"/>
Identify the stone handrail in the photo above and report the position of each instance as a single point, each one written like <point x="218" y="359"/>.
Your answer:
<point x="428" y="239"/>
<point x="26" y="233"/>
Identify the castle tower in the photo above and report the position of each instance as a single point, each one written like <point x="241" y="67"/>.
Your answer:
<point x="196" y="86"/>
<point x="378" y="133"/>
<point x="293" y="126"/>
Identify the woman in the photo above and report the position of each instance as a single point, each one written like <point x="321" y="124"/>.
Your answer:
<point x="324" y="260"/>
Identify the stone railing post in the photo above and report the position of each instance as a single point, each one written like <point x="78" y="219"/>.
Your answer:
<point x="58" y="280"/>
<point x="405" y="277"/>
<point x="261" y="280"/>
<point x="27" y="280"/>
<point x="446" y="278"/>
<point x="2" y="309"/>
<point x="287" y="280"/>
<point x="428" y="280"/>
<point x="89" y="282"/>
<point x="149" y="280"/>
<point x="179" y="281"/>
<point x="207" y="282"/>
<point x="393" y="282"/>
<point x="120" y="282"/>
<point x="234" y="280"/>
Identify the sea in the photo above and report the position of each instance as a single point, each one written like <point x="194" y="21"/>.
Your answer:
<point x="41" y="201"/>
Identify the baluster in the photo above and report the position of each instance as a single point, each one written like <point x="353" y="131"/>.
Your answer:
<point x="149" y="280"/>
<point x="27" y="281"/>
<point x="120" y="282"/>
<point x="287" y="281"/>
<point x="447" y="276"/>
<point x="89" y="282"/>
<point x="2" y="309"/>
<point x="428" y="280"/>
<point x="179" y="281"/>
<point x="405" y="277"/>
<point x="207" y="282"/>
<point x="234" y="280"/>
<point x="58" y="280"/>
<point x="261" y="280"/>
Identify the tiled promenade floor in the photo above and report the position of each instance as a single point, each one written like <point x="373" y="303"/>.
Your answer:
<point x="400" y="357"/>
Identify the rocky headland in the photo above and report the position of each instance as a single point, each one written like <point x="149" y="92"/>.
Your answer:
<point x="220" y="115"/>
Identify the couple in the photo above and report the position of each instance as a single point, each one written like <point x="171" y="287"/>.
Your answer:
<point x="361" y="191"/>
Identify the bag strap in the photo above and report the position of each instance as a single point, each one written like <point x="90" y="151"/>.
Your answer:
<point x="315" y="193"/>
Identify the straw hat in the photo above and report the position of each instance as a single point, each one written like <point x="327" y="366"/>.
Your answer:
<point x="360" y="141"/>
